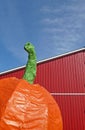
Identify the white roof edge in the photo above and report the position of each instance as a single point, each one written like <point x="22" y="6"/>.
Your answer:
<point x="61" y="55"/>
<point x="8" y="71"/>
<point x="58" y="56"/>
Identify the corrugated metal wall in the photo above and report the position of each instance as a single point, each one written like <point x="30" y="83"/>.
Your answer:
<point x="64" y="78"/>
<point x="65" y="74"/>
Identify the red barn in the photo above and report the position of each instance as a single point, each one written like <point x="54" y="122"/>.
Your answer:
<point x="64" y="77"/>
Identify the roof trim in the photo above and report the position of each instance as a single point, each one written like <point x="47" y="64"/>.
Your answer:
<point x="45" y="60"/>
<point x="62" y="55"/>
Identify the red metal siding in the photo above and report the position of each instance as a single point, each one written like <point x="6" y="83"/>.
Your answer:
<point x="64" y="78"/>
<point x="16" y="73"/>
<point x="72" y="108"/>
<point x="65" y="74"/>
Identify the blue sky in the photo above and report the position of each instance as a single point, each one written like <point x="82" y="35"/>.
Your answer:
<point x="53" y="26"/>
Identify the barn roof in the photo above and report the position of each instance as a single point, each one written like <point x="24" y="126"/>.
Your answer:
<point x="45" y="60"/>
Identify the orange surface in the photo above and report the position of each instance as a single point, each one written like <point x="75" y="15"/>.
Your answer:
<point x="27" y="107"/>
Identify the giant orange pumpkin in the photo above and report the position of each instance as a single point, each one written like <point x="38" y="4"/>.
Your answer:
<point x="27" y="106"/>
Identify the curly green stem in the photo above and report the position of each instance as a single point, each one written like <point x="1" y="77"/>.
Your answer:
<point x="30" y="70"/>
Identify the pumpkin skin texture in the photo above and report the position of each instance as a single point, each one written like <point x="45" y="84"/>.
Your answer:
<point x="27" y="107"/>
<point x="7" y="86"/>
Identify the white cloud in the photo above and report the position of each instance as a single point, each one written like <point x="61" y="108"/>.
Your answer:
<point x="52" y="21"/>
<point x="47" y="9"/>
<point x="65" y="27"/>
<point x="53" y="30"/>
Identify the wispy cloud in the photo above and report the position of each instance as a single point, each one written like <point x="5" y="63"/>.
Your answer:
<point x="52" y="21"/>
<point x="64" y="25"/>
<point x="49" y="9"/>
